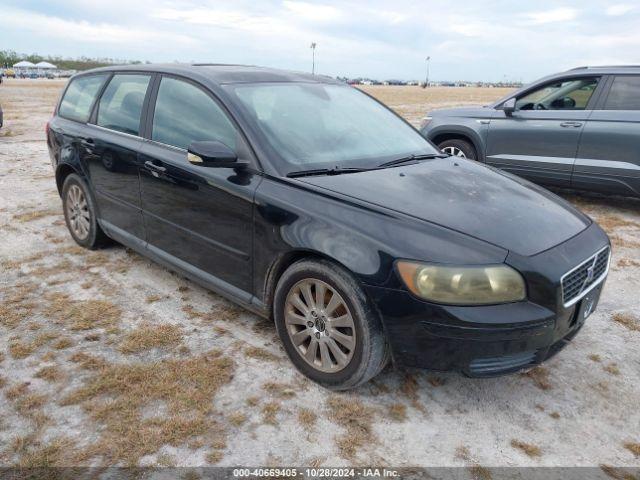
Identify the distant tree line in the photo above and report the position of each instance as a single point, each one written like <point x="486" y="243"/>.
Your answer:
<point x="9" y="57"/>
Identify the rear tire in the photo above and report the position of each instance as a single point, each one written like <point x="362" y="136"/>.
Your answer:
<point x="80" y="213"/>
<point x="458" y="148"/>
<point x="328" y="327"/>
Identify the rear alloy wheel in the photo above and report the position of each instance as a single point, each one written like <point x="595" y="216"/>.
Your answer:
<point x="327" y="325"/>
<point x="458" y="148"/>
<point x="80" y="213"/>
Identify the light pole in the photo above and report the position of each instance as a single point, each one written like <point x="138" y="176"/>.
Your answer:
<point x="426" y="80"/>
<point x="313" y="58"/>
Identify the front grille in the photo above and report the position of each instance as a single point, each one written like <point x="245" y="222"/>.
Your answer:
<point x="584" y="275"/>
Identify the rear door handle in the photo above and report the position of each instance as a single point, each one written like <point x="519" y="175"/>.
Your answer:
<point x="88" y="142"/>
<point x="571" y="124"/>
<point x="154" y="168"/>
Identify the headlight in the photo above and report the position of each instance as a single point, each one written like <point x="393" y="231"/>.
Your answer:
<point x="481" y="285"/>
<point x="425" y="121"/>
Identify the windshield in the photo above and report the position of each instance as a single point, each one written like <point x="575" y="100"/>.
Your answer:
<point x="322" y="125"/>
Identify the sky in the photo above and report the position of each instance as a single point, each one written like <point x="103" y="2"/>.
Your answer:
<point x="489" y="40"/>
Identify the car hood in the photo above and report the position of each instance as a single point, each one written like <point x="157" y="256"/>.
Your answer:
<point x="467" y="197"/>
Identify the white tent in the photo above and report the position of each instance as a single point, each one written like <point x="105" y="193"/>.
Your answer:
<point x="23" y="64"/>
<point x="45" y="66"/>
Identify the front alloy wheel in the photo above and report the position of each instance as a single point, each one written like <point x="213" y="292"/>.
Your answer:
<point x="320" y="325"/>
<point x="329" y="328"/>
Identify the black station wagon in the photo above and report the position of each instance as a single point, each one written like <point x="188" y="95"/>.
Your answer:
<point x="307" y="201"/>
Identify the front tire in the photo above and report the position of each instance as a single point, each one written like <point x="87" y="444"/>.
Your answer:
<point x="80" y="213"/>
<point x="328" y="327"/>
<point x="458" y="148"/>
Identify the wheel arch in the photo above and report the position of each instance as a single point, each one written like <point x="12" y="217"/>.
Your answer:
<point x="63" y="170"/>
<point x="281" y="264"/>
<point x="440" y="136"/>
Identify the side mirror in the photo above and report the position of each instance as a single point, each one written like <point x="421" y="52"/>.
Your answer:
<point x="509" y="106"/>
<point x="212" y="154"/>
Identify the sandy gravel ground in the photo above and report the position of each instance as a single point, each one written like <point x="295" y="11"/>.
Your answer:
<point x="107" y="358"/>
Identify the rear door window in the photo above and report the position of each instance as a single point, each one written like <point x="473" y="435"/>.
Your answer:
<point x="624" y="94"/>
<point x="80" y="96"/>
<point x="121" y="103"/>
<point x="184" y="113"/>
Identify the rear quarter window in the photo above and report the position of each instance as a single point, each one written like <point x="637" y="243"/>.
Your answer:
<point x="624" y="94"/>
<point x="80" y="96"/>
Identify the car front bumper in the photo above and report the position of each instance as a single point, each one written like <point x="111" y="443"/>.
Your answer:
<point x="477" y="341"/>
<point x="482" y="341"/>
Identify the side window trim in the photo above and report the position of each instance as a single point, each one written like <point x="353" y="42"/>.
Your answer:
<point x="93" y="118"/>
<point x="603" y="93"/>
<point x="95" y="100"/>
<point x="152" y="108"/>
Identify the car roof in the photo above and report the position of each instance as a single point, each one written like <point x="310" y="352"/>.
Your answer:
<point x="222" y="73"/>
<point x="607" y="69"/>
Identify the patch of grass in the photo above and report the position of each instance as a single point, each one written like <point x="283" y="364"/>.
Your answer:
<point x="3" y="381"/>
<point x="281" y="390"/>
<point x="166" y="460"/>
<point x="260" y="354"/>
<point x="594" y="357"/>
<point x="540" y="377"/>
<point x="214" y="457"/>
<point x="409" y="389"/>
<point x="54" y="454"/>
<point x="397" y="412"/>
<point x="628" y="262"/>
<point x="613" y="222"/>
<point x="18" y="304"/>
<point x="612" y="368"/>
<point x="307" y="418"/>
<point x="82" y="315"/>
<point x="436" y="381"/>
<point x="615" y="473"/>
<point x="50" y="374"/>
<point x="153" y="298"/>
<point x="627" y="320"/>
<point x="20" y="350"/>
<point x="253" y="401"/>
<point x="116" y="395"/>
<point x="633" y="447"/>
<point x="150" y="336"/>
<point x="620" y="242"/>
<point x="269" y="412"/>
<point x="64" y="342"/>
<point x="237" y="418"/>
<point x="356" y="418"/>
<point x="35" y="215"/>
<point x="88" y="362"/>
<point x="554" y="415"/>
<point x="529" y="449"/>
<point x="478" y="472"/>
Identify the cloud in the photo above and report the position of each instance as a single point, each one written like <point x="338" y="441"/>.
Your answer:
<point x="311" y="11"/>
<point x="551" y="16"/>
<point x="620" y="9"/>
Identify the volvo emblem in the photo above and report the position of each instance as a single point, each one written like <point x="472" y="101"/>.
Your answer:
<point x="589" y="274"/>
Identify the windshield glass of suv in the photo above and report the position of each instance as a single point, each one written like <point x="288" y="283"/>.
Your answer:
<point x="322" y="125"/>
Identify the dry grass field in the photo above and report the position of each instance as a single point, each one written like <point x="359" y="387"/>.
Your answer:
<point x="109" y="359"/>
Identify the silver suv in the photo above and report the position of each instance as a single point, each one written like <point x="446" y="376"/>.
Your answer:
<point x="578" y="129"/>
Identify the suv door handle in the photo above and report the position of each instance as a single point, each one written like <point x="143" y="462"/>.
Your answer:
<point x="153" y="167"/>
<point x="88" y="142"/>
<point x="571" y="124"/>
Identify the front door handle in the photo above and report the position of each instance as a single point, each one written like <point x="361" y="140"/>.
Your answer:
<point x="571" y="124"/>
<point x="154" y="168"/>
<point x="88" y="142"/>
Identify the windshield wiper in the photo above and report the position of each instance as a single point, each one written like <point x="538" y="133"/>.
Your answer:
<point x="411" y="158"/>
<point x="326" y="171"/>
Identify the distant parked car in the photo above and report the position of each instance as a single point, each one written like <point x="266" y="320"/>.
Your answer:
<point x="578" y="129"/>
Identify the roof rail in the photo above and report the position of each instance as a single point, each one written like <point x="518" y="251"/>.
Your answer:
<point x="604" y="66"/>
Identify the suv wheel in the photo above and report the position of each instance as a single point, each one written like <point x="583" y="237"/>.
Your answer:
<point x="80" y="213"/>
<point x="328" y="327"/>
<point x="458" y="148"/>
